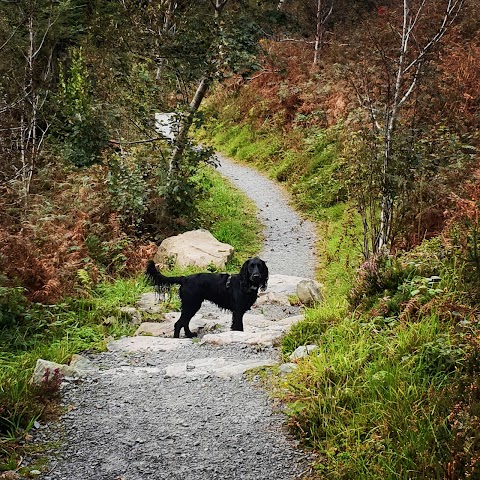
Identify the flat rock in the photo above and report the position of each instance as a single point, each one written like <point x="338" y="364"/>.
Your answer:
<point x="149" y="303"/>
<point x="286" y="284"/>
<point x="266" y="338"/>
<point x="268" y="333"/>
<point x="141" y="343"/>
<point x="214" y="366"/>
<point x="286" y="368"/>
<point x="200" y="323"/>
<point x="80" y="362"/>
<point x="273" y="298"/>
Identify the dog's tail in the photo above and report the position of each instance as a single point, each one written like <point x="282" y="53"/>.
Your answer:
<point x="159" y="281"/>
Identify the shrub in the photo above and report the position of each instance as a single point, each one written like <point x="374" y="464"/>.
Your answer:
<point x="128" y="187"/>
<point x="79" y="131"/>
<point x="12" y="305"/>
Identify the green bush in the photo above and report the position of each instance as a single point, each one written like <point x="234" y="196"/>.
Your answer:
<point x="78" y="131"/>
<point x="128" y="187"/>
<point x="12" y="306"/>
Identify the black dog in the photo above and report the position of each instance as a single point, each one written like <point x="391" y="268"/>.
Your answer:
<point x="236" y="293"/>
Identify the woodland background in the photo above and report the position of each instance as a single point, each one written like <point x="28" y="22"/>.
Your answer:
<point x="366" y="111"/>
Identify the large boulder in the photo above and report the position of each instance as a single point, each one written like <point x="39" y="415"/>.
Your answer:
<point x="308" y="292"/>
<point x="195" y="248"/>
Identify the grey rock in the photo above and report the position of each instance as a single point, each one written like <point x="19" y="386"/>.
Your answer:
<point x="44" y="368"/>
<point x="195" y="248"/>
<point x="303" y="351"/>
<point x="286" y="368"/>
<point x="149" y="303"/>
<point x="308" y="292"/>
<point x="216" y="366"/>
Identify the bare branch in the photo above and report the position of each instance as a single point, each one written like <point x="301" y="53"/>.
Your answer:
<point x="9" y="38"/>
<point x="136" y="142"/>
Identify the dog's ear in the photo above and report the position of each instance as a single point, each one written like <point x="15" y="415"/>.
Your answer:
<point x="264" y="273"/>
<point x="243" y="275"/>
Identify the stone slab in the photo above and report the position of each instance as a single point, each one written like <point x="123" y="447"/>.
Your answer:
<point x="214" y="366"/>
<point x="141" y="343"/>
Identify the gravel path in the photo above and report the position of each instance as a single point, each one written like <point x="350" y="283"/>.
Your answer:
<point x="289" y="240"/>
<point x="131" y="421"/>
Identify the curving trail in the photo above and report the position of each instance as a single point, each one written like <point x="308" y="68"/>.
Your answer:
<point x="289" y="240"/>
<point x="162" y="408"/>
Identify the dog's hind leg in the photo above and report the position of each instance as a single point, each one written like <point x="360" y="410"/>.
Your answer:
<point x="188" y="311"/>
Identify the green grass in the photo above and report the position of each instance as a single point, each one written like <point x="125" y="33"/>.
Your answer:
<point x="367" y="401"/>
<point x="53" y="333"/>
<point x="231" y="218"/>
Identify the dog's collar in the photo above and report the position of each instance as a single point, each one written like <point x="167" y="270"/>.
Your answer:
<point x="249" y="289"/>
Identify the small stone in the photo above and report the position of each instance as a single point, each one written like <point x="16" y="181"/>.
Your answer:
<point x="303" y="351"/>
<point x="287" y="368"/>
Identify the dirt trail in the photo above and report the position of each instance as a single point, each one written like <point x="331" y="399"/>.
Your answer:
<point x="170" y="409"/>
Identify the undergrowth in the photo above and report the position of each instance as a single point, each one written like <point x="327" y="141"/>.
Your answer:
<point x="54" y="333"/>
<point x="393" y="390"/>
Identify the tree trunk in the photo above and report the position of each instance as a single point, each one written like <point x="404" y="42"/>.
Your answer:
<point x="319" y="33"/>
<point x="187" y="120"/>
<point x="321" y="20"/>
<point x="186" y="123"/>
<point x="168" y="24"/>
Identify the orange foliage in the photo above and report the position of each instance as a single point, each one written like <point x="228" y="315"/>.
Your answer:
<point x="466" y="210"/>
<point x="44" y="251"/>
<point x="460" y="85"/>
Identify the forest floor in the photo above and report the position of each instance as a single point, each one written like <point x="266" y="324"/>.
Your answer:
<point x="183" y="409"/>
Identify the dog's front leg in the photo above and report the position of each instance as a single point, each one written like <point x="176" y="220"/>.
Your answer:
<point x="237" y="321"/>
<point x="183" y="323"/>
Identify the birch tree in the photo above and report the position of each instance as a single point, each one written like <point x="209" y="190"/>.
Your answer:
<point x="324" y="10"/>
<point x="403" y="73"/>
<point x="202" y="88"/>
<point x="223" y="40"/>
<point x="29" y="61"/>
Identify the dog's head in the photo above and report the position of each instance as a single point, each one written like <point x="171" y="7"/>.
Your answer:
<point x="254" y="274"/>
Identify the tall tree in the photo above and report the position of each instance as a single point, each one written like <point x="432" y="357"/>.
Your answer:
<point x="195" y="43"/>
<point x="423" y="25"/>
<point x="31" y="38"/>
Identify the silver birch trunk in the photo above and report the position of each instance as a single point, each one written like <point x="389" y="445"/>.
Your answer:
<point x="321" y="20"/>
<point x="187" y="120"/>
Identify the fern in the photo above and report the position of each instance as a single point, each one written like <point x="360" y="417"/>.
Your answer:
<point x="85" y="279"/>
